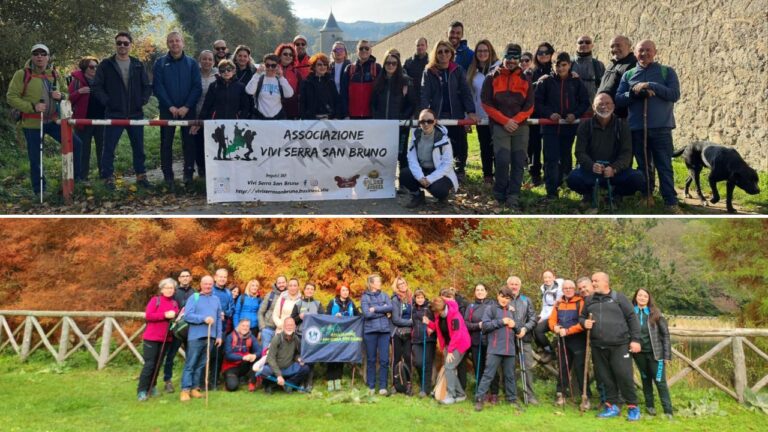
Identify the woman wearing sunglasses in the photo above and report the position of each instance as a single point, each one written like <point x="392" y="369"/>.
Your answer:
<point x="318" y="92"/>
<point x="541" y="67"/>
<point x="86" y="107"/>
<point x="226" y="98"/>
<point x="430" y="162"/>
<point x="286" y="54"/>
<point x="268" y="88"/>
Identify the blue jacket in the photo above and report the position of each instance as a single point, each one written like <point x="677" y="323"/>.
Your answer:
<point x="121" y="102"/>
<point x="459" y="94"/>
<point x="246" y="307"/>
<point x="176" y="82"/>
<point x="195" y="313"/>
<point x="376" y="321"/>
<point x="501" y="339"/>
<point x="553" y="95"/>
<point x="464" y="55"/>
<point x="660" y="107"/>
<point x="346" y="309"/>
<point x="225" y="298"/>
<point x="401" y="314"/>
<point x="234" y="350"/>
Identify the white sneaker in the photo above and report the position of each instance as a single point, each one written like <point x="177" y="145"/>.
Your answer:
<point x="461" y="399"/>
<point x="448" y="401"/>
<point x="383" y="392"/>
<point x="337" y="384"/>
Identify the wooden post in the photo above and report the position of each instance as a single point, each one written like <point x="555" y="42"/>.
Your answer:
<point x="739" y="368"/>
<point x="63" y="340"/>
<point x="106" y="341"/>
<point x="26" y="342"/>
<point x="2" y="326"/>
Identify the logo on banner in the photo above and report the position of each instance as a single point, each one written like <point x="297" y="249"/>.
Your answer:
<point x="235" y="145"/>
<point x="373" y="182"/>
<point x="313" y="335"/>
<point x="221" y="185"/>
<point x="346" y="182"/>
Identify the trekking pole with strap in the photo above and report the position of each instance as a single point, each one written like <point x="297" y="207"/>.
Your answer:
<point x="560" y="366"/>
<point x="423" y="358"/>
<point x="207" y="362"/>
<point x="42" y="134"/>
<point x="477" y="364"/>
<point x="216" y="368"/>
<point x="523" y="372"/>
<point x="287" y="384"/>
<point x="153" y="383"/>
<point x="584" y="399"/>
<point x="648" y="197"/>
<point x="567" y="368"/>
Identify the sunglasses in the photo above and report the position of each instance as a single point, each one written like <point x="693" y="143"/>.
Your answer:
<point x="584" y="42"/>
<point x="40" y="54"/>
<point x="543" y="53"/>
<point x="226" y="69"/>
<point x="91" y="67"/>
<point x="339" y="50"/>
<point x="364" y="48"/>
<point x="525" y="60"/>
<point x="270" y="65"/>
<point x="321" y="64"/>
<point x="123" y="43"/>
<point x="427" y="121"/>
<point x="390" y="63"/>
<point x="441" y="52"/>
<point x="220" y="48"/>
<point x="300" y="44"/>
<point x="287" y="54"/>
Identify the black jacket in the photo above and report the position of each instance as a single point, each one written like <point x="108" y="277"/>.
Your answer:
<point x="389" y="103"/>
<point x="612" y="78"/>
<point x="525" y="315"/>
<point x="414" y="68"/>
<point x="226" y="100"/>
<point x="318" y="97"/>
<point x="555" y="95"/>
<point x="501" y="339"/>
<point x="615" y="321"/>
<point x="473" y="316"/>
<point x="121" y="102"/>
<point x="181" y="295"/>
<point x="419" y="328"/>
<point x="660" y="342"/>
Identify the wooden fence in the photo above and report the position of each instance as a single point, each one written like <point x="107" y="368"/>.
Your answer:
<point x="109" y="327"/>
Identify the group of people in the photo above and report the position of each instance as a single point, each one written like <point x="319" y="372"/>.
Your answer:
<point x="623" y="110"/>
<point x="406" y="331"/>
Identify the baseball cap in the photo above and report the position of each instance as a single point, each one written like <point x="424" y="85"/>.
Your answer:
<point x="513" y="52"/>
<point x="40" y="47"/>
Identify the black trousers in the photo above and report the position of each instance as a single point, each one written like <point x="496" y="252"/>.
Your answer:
<point x="166" y="147"/>
<point x="540" y="334"/>
<point x="439" y="189"/>
<point x="423" y="360"/>
<point x="479" y="359"/>
<point x="613" y="365"/>
<point x="649" y="368"/>
<point x="217" y="359"/>
<point x="152" y="356"/>
<point x="484" y="136"/>
<point x="334" y="371"/>
<point x="534" y="151"/>
<point x="401" y="346"/>
<point x="458" y="137"/>
<point x="232" y="375"/>
<point x="573" y="349"/>
<point x="402" y="151"/>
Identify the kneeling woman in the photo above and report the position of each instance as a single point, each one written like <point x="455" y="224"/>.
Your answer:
<point x="430" y="162"/>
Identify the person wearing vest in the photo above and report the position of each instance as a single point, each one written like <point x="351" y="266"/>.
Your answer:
<point x="622" y="60"/>
<point x="473" y="316"/>
<point x="589" y="69"/>
<point x="649" y="91"/>
<point x="453" y="339"/>
<point x="159" y="313"/>
<point x="507" y="96"/>
<point x="402" y="325"/>
<point x="525" y="317"/>
<point x="422" y="342"/>
<point x="85" y="107"/>
<point x="430" y="162"/>
<point x="176" y="83"/>
<point x="284" y="360"/>
<point x="499" y="325"/>
<point x="377" y="329"/>
<point x="241" y="350"/>
<point x="655" y="351"/>
<point x="604" y="154"/>
<point x="357" y="83"/>
<point x="564" y="323"/>
<point x="36" y="89"/>
<point x="247" y="305"/>
<point x="266" y="323"/>
<point x="615" y="333"/>
<point x="551" y="291"/>
<point x="339" y="306"/>
<point x="203" y="313"/>
<point x="269" y="88"/>
<point x="184" y="291"/>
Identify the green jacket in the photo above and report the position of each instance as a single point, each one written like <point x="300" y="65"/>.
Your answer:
<point x="26" y="103"/>
<point x="282" y="352"/>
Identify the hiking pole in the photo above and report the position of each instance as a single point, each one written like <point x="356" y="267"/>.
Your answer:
<point x="560" y="367"/>
<point x="567" y="368"/>
<point x="648" y="196"/>
<point x="584" y="399"/>
<point x="596" y="194"/>
<point x="42" y="134"/>
<point x="477" y="364"/>
<point x="287" y="384"/>
<point x="611" y="204"/>
<point x="423" y="358"/>
<point x="523" y="372"/>
<point x="207" y="363"/>
<point x="216" y="368"/>
<point x="153" y="383"/>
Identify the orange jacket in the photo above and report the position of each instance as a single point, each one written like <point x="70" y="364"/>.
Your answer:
<point x="507" y="94"/>
<point x="566" y="314"/>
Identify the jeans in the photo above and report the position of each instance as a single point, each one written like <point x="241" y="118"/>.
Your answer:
<point x="152" y="356"/>
<point x="558" y="159"/>
<point x="32" y="137"/>
<point x="660" y="149"/>
<point x="454" y="388"/>
<point x="439" y="189"/>
<point x="85" y="135"/>
<point x="173" y="349"/>
<point x="510" y="158"/>
<point x="492" y="365"/>
<point x="614" y="368"/>
<point x="486" y="149"/>
<point x="194" y="367"/>
<point x="422" y="362"/>
<point x="458" y="137"/>
<point x="376" y="344"/>
<point x="626" y="182"/>
<point x="111" y="138"/>
<point x="534" y="151"/>
<point x="267" y="334"/>
<point x="649" y="367"/>
<point x="166" y="147"/>
<point x="293" y="374"/>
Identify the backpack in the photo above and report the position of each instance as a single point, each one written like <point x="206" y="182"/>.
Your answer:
<point x="664" y="73"/>
<point x="15" y="114"/>
<point x="180" y="327"/>
<point x="353" y="69"/>
<point x="401" y="377"/>
<point x="248" y="341"/>
<point x="258" y="91"/>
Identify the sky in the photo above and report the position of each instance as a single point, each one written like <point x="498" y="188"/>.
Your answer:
<point x="361" y="10"/>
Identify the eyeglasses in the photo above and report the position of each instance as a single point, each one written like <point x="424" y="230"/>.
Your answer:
<point x="40" y="54"/>
<point x="220" y="48"/>
<point x="390" y="63"/>
<point x="287" y="54"/>
<point x="339" y="50"/>
<point x="226" y="69"/>
<point x="525" y="60"/>
<point x="320" y="64"/>
<point x="441" y="52"/>
<point x="364" y="48"/>
<point x="299" y="44"/>
<point x="270" y="65"/>
<point x="123" y="43"/>
<point x="584" y="42"/>
<point x="543" y="53"/>
<point x="481" y="51"/>
<point x="427" y="121"/>
<point x="181" y="276"/>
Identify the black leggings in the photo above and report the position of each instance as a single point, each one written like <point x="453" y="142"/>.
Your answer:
<point x="232" y="375"/>
<point x="422" y="363"/>
<point x="152" y="356"/>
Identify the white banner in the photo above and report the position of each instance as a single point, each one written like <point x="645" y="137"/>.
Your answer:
<point x="307" y="160"/>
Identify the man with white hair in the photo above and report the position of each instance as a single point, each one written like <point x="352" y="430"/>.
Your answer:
<point x="525" y="317"/>
<point x="203" y="313"/>
<point x="284" y="361"/>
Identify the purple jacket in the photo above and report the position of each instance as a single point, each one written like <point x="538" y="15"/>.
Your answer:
<point x="157" y="323"/>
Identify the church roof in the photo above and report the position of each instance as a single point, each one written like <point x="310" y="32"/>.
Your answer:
<point x="330" y="24"/>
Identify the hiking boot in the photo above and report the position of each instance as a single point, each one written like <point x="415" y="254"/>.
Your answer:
<point x="559" y="400"/>
<point x="448" y="401"/>
<point x="586" y="201"/>
<point x="109" y="184"/>
<point x="479" y="405"/>
<point x="513" y="203"/>
<point x="536" y="181"/>
<point x="461" y="399"/>
<point x="251" y="387"/>
<point x="610" y="411"/>
<point x="154" y="392"/>
<point x="184" y="396"/>
<point x="268" y="388"/>
<point x="187" y="180"/>
<point x="196" y="393"/>
<point x="142" y="396"/>
<point x="371" y="392"/>
<point x="416" y="201"/>
<point x="533" y="401"/>
<point x="488" y="180"/>
<point x="168" y="387"/>
<point x="545" y="357"/>
<point x="141" y="180"/>
<point x="673" y="209"/>
<point x="383" y="392"/>
<point x="633" y="413"/>
<point x="331" y="386"/>
<point x="493" y="399"/>
<point x="515" y="403"/>
<point x="669" y="416"/>
<point x="651" y="411"/>
<point x="337" y="384"/>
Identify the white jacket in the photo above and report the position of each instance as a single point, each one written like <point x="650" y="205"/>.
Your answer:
<point x="442" y="157"/>
<point x="549" y="297"/>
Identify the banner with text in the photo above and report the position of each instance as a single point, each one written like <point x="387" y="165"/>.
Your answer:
<point x="307" y="160"/>
<point x="328" y="338"/>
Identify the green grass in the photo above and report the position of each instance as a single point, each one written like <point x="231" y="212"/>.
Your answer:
<point x="40" y="395"/>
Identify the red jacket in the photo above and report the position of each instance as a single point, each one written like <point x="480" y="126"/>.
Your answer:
<point x="506" y="95"/>
<point x="157" y="323"/>
<point x="79" y="101"/>
<point x="302" y="66"/>
<point x="457" y="330"/>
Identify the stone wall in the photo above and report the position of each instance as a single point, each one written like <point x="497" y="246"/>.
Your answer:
<point x="719" y="48"/>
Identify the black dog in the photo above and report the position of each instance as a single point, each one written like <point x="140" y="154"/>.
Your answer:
<point x="724" y="163"/>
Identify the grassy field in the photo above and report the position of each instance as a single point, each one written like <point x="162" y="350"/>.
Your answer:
<point x="41" y="396"/>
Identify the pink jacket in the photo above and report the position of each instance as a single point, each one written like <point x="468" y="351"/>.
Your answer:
<point x="457" y="330"/>
<point x="157" y="324"/>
